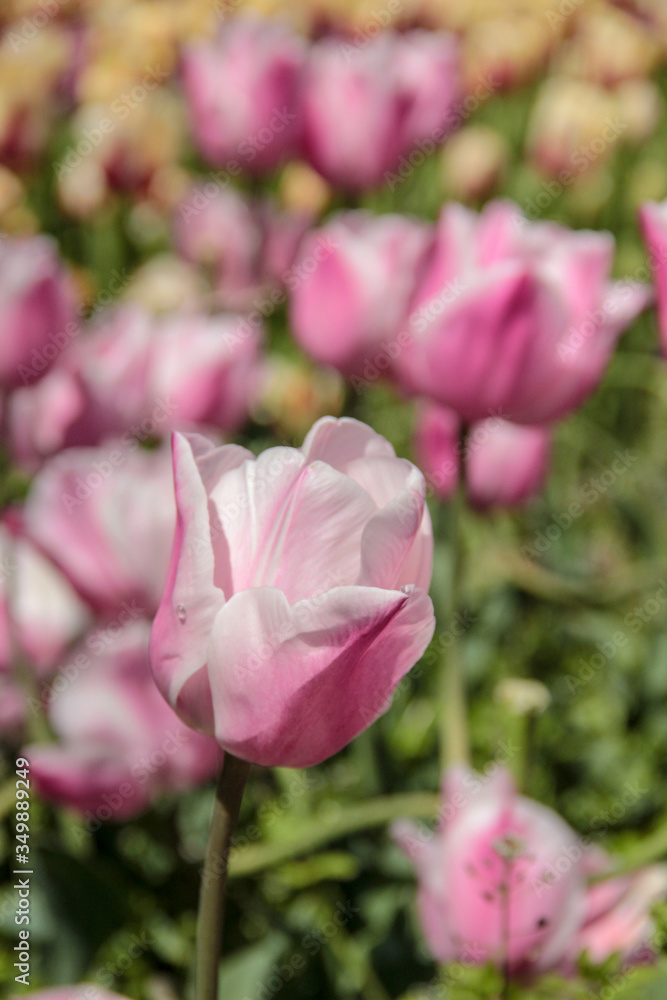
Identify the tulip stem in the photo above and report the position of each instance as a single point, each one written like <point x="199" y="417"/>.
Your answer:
<point x="210" y="920"/>
<point x="454" y="713"/>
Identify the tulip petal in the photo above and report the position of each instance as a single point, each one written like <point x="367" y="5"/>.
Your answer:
<point x="282" y="676"/>
<point x="192" y="595"/>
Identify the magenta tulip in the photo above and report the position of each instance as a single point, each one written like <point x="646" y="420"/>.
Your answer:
<point x="506" y="464"/>
<point x="653" y="219"/>
<point x="296" y="597"/>
<point x="36" y="309"/>
<point x="355" y="277"/>
<point x="514" y="318"/>
<point x="503" y="878"/>
<point x="119" y="745"/>
<point x="106" y="517"/>
<point x="365" y="107"/>
<point x="243" y="94"/>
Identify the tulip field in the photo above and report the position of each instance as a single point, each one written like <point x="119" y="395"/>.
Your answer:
<point x="333" y="500"/>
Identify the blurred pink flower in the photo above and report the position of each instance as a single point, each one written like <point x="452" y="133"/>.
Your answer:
<point x="296" y="597"/>
<point x="618" y="920"/>
<point x="248" y="248"/>
<point x="428" y="69"/>
<point x="119" y="744"/>
<point x="653" y="221"/>
<point x="36" y="308"/>
<point x="502" y="880"/>
<point x="355" y="277"/>
<point x="139" y="375"/>
<point x="106" y="517"/>
<point x="243" y="94"/>
<point x="84" y="991"/>
<point x="40" y="613"/>
<point x="506" y="463"/>
<point x="365" y="107"/>
<point x="352" y="111"/>
<point x="514" y="317"/>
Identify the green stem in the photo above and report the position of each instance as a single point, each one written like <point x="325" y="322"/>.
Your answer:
<point x="210" y="920"/>
<point x="454" y="739"/>
<point x="316" y="831"/>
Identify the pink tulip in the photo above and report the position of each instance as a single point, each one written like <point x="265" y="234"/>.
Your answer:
<point x="248" y="248"/>
<point x="40" y="614"/>
<point x="354" y="277"/>
<point x="138" y="375"/>
<point x="436" y="448"/>
<point x="428" y="68"/>
<point x="514" y="317"/>
<point x="119" y="744"/>
<point x="365" y="107"/>
<point x="48" y="416"/>
<point x="36" y="308"/>
<point x="243" y="94"/>
<point x="13" y="711"/>
<point x="106" y="518"/>
<point x="502" y="880"/>
<point x="618" y="917"/>
<point x="653" y="220"/>
<point x="506" y="464"/>
<point x="296" y="597"/>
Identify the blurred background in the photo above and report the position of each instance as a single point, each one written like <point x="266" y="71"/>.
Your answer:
<point x="160" y="244"/>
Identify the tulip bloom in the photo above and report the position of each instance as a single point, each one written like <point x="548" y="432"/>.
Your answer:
<point x="106" y="517"/>
<point x="243" y="94"/>
<point x="364" y="108"/>
<point x="85" y="991"/>
<point x="119" y="744"/>
<point x="618" y="915"/>
<point x="296" y="597"/>
<point x="355" y="275"/>
<point x="36" y="308"/>
<point x="506" y="463"/>
<point x="653" y="220"/>
<point x="514" y="318"/>
<point x="39" y="609"/>
<point x="140" y="375"/>
<point x="503" y="878"/>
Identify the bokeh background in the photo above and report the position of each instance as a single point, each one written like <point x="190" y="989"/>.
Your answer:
<point x="114" y="899"/>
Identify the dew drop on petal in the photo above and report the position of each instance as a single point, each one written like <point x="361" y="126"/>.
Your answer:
<point x="181" y="614"/>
